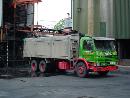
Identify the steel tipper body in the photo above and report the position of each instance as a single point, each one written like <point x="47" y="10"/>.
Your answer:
<point x="71" y="52"/>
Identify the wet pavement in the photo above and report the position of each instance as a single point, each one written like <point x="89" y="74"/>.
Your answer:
<point x="115" y="85"/>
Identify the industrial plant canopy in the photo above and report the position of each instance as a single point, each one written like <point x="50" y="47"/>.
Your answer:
<point x="26" y="1"/>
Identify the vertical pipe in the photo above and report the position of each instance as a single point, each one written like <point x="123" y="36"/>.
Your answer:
<point x="90" y="17"/>
<point x="1" y="12"/>
<point x="78" y="14"/>
<point x="1" y="20"/>
<point x="1" y="34"/>
<point x="7" y="54"/>
<point x="14" y="30"/>
<point x="72" y="13"/>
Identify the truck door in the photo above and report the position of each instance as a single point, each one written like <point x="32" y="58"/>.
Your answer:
<point x="87" y="49"/>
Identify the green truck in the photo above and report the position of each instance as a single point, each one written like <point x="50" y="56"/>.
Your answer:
<point x="83" y="55"/>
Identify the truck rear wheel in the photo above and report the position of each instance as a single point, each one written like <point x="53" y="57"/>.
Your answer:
<point x="34" y="65"/>
<point x="81" y="70"/>
<point x="42" y="66"/>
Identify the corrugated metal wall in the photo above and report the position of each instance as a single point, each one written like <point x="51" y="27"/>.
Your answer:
<point x="96" y="18"/>
<point x="105" y="18"/>
<point x="111" y="17"/>
<point x="79" y="14"/>
<point x="121" y="19"/>
<point x="25" y="14"/>
<point x="30" y="14"/>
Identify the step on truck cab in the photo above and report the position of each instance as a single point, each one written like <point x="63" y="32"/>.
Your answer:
<point x="71" y="52"/>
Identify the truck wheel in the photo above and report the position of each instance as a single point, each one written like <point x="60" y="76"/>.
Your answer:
<point x="81" y="70"/>
<point x="33" y="66"/>
<point x="103" y="73"/>
<point x="42" y="66"/>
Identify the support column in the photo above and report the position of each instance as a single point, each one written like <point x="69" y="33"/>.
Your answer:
<point x="90" y="17"/>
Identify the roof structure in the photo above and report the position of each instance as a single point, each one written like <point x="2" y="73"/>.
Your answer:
<point x="26" y="1"/>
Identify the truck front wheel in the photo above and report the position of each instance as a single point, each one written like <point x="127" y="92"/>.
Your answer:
<point x="81" y="70"/>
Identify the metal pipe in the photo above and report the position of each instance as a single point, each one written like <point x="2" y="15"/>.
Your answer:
<point x="90" y="17"/>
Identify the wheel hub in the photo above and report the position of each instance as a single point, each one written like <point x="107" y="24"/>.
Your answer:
<point x="81" y="70"/>
<point x="33" y="66"/>
<point x="42" y="67"/>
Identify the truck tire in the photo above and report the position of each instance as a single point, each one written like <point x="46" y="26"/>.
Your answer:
<point x="103" y="73"/>
<point x="34" y="65"/>
<point x="81" y="69"/>
<point x="42" y="66"/>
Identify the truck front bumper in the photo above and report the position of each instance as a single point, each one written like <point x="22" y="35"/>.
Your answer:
<point x="104" y="68"/>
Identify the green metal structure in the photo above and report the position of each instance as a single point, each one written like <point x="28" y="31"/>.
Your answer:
<point x="121" y="19"/>
<point x="109" y="18"/>
<point x="80" y="15"/>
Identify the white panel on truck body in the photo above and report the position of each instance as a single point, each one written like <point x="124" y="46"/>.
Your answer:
<point x="61" y="47"/>
<point x="29" y="47"/>
<point x="43" y="47"/>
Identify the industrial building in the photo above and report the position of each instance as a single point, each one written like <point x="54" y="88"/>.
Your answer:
<point x="106" y="18"/>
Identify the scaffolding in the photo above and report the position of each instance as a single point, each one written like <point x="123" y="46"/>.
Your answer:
<point x="13" y="31"/>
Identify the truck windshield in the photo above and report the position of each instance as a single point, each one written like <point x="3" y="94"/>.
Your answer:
<point x="105" y="44"/>
<point x="88" y="45"/>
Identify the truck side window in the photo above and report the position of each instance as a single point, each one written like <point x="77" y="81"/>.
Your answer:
<point x="87" y="45"/>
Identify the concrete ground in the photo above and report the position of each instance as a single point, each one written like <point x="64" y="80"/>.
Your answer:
<point x="123" y="69"/>
<point x="115" y="85"/>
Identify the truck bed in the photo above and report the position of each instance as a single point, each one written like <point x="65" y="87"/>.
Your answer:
<point x="61" y="47"/>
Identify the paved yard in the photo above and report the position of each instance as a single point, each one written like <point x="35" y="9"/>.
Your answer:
<point x="115" y="85"/>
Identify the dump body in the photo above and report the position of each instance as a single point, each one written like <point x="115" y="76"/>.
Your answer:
<point x="60" y="47"/>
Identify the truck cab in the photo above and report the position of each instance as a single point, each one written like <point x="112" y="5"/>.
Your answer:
<point x="98" y="55"/>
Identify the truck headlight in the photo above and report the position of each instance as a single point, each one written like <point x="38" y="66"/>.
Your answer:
<point x="98" y="64"/>
<point x="113" y="63"/>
